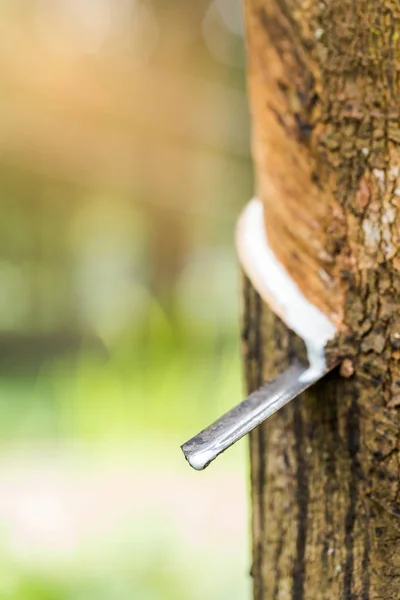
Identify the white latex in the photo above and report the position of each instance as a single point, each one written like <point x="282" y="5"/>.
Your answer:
<point x="202" y="459"/>
<point x="278" y="289"/>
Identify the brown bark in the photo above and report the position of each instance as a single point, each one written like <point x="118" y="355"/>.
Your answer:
<point x="324" y="87"/>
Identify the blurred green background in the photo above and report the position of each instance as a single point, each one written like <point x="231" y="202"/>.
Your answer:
<point x="124" y="161"/>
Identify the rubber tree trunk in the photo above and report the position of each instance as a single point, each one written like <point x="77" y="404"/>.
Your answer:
<point x="325" y="99"/>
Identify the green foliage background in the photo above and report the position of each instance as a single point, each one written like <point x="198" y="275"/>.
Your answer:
<point x="124" y="162"/>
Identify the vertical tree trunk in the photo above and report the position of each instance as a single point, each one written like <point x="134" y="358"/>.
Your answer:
<point x="324" y="90"/>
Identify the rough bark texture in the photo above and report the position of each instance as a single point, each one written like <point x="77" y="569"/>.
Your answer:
<point x="324" y="88"/>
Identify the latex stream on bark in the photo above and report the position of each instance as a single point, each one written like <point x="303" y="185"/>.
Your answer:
<point x="278" y="289"/>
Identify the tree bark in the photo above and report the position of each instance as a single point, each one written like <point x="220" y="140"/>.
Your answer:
<point x="324" y="81"/>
